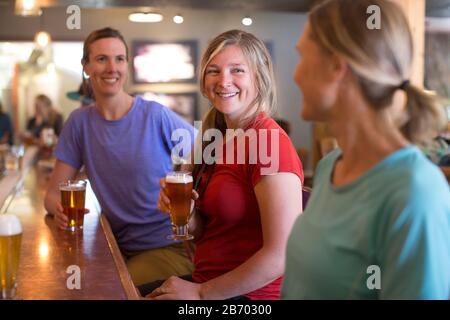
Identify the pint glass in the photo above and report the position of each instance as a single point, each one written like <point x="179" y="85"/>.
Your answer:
<point x="12" y="163"/>
<point x="73" y="194"/>
<point x="10" y="239"/>
<point x="179" y="189"/>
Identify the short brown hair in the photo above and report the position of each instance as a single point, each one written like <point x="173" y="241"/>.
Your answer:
<point x="101" y="34"/>
<point x="45" y="100"/>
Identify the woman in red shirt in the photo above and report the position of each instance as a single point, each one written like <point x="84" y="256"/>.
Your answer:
<point x="246" y="202"/>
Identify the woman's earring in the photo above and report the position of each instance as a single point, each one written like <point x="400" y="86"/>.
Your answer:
<point x="85" y="75"/>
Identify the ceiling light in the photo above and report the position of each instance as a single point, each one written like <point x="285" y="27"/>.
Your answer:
<point x="247" y="21"/>
<point x="145" y="17"/>
<point x="178" y="19"/>
<point x="27" y="8"/>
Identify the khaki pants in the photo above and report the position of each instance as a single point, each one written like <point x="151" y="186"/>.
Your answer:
<point x="158" y="264"/>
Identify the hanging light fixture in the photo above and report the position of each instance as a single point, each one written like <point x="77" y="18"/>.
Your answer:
<point x="27" y="8"/>
<point x="42" y="38"/>
<point x="148" y="16"/>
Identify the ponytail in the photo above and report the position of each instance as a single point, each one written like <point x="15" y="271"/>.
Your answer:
<point x="425" y="115"/>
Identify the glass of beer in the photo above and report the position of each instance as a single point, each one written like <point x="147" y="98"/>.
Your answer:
<point x="179" y="189"/>
<point x="11" y="163"/>
<point x="19" y="152"/>
<point x="10" y="239"/>
<point x="73" y="194"/>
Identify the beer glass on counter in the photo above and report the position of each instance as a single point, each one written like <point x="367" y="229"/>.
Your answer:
<point x="19" y="152"/>
<point x="14" y="159"/>
<point x="10" y="240"/>
<point x="179" y="189"/>
<point x="11" y="163"/>
<point x="73" y="194"/>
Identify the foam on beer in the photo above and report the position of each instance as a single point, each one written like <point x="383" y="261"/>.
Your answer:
<point x="9" y="225"/>
<point x="72" y="188"/>
<point x="179" y="179"/>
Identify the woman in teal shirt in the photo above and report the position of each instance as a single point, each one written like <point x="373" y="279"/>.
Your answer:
<point x="378" y="223"/>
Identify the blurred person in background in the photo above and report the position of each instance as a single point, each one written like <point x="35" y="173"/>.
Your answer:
<point x="6" y="131"/>
<point x="45" y="117"/>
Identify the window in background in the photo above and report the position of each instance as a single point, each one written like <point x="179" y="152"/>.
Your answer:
<point x="53" y="71"/>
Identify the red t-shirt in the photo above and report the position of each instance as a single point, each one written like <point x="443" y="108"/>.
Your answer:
<point x="233" y="232"/>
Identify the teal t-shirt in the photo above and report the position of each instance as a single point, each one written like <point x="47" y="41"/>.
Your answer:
<point x="385" y="235"/>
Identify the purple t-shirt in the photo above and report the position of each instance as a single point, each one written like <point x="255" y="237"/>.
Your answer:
<point x="124" y="160"/>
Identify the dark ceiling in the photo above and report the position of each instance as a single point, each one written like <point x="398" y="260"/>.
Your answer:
<point x="272" y="5"/>
<point x="435" y="8"/>
<point x="277" y="5"/>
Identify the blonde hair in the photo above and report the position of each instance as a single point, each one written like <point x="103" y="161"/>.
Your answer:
<point x="379" y="58"/>
<point x="260" y="63"/>
<point x="48" y="105"/>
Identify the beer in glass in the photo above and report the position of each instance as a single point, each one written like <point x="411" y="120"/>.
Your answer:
<point x="73" y="194"/>
<point x="179" y="189"/>
<point x="11" y="163"/>
<point x="10" y="239"/>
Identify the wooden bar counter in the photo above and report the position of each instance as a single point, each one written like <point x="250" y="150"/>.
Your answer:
<point x="50" y="257"/>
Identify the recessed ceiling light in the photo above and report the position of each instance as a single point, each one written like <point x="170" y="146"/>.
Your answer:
<point x="178" y="19"/>
<point x="247" y="21"/>
<point x="145" y="17"/>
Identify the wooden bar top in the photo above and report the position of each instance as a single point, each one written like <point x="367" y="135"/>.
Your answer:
<point x="50" y="257"/>
<point x="446" y="171"/>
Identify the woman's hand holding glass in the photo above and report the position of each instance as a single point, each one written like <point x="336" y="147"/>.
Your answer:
<point x="172" y="200"/>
